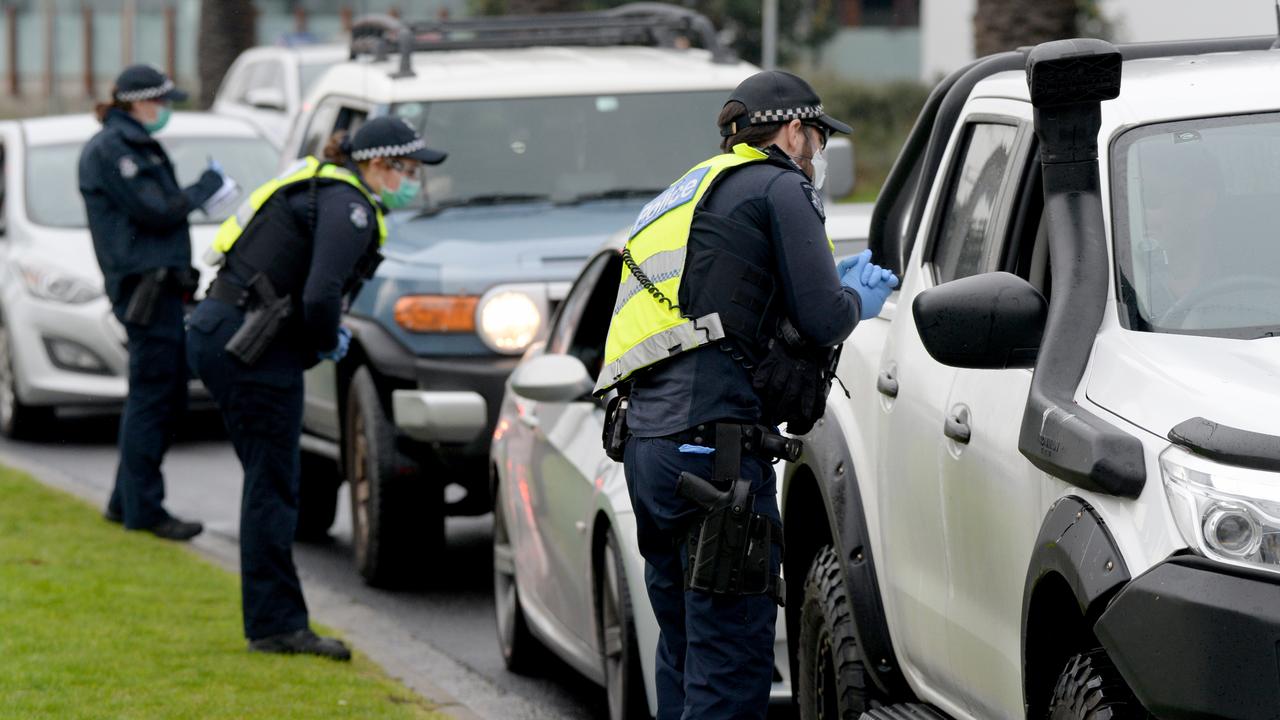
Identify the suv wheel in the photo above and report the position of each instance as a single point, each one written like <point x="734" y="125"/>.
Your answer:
<point x="1090" y="688"/>
<point x="623" y="679"/>
<point x="397" y="515"/>
<point x="832" y="683"/>
<point x="520" y="649"/>
<point x="317" y="497"/>
<point x="17" y="419"/>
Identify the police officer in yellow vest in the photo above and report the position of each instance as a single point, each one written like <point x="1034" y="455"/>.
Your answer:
<point x="291" y="256"/>
<point x="726" y="324"/>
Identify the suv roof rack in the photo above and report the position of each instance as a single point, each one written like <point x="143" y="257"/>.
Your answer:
<point x="650" y="24"/>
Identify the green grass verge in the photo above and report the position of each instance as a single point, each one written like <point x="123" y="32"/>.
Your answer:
<point x="96" y="622"/>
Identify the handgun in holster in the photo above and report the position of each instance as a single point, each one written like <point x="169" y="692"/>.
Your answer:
<point x="730" y="547"/>
<point x="263" y="321"/>
<point x="141" y="309"/>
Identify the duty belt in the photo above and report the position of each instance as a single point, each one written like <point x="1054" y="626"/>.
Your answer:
<point x="758" y="440"/>
<point x="228" y="292"/>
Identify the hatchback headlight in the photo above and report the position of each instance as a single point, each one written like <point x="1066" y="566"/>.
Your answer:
<point x="1229" y="514"/>
<point x="48" y="284"/>
<point x="508" y="320"/>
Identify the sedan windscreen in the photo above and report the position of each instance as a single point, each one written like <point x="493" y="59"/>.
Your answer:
<point x="1197" y="212"/>
<point x="565" y="149"/>
<point x="53" y="195"/>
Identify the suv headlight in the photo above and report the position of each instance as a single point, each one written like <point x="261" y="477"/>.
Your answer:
<point x="1229" y="514"/>
<point x="508" y="318"/>
<point x="48" y="284"/>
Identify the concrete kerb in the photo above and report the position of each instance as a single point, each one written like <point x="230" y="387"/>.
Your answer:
<point x="352" y="619"/>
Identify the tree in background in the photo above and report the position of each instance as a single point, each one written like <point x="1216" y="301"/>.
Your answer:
<point x="227" y="28"/>
<point x="1001" y="25"/>
<point x="802" y="24"/>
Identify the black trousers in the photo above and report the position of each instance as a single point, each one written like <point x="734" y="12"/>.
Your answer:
<point x="152" y="411"/>
<point x="262" y="409"/>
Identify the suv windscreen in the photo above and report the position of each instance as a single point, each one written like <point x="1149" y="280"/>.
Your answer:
<point x="52" y="172"/>
<point x="565" y="149"/>
<point x="1196" y="211"/>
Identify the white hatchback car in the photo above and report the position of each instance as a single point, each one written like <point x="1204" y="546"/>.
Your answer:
<point x="60" y="345"/>
<point x="265" y="85"/>
<point x="567" y="572"/>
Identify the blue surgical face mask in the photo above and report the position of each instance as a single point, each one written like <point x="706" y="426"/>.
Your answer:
<point x="162" y="119"/>
<point x="401" y="196"/>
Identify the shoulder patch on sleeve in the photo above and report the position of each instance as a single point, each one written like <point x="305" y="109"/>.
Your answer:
<point x="359" y="216"/>
<point x="128" y="167"/>
<point x="815" y="199"/>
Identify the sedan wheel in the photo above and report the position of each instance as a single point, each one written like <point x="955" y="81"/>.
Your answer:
<point x="519" y="648"/>
<point x="17" y="420"/>
<point x="624" y="681"/>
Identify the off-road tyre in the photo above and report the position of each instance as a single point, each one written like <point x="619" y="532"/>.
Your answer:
<point x="317" y="497"/>
<point x="832" y="683"/>
<point x="616" y="630"/>
<point x="1090" y="688"/>
<point x="397" y="514"/>
<point x="521" y="651"/>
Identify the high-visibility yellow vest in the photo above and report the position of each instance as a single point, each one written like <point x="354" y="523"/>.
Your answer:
<point x="302" y="171"/>
<point x="644" y="330"/>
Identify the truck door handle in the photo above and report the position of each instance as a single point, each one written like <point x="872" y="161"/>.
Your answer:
<point x="957" y="427"/>
<point x="887" y="383"/>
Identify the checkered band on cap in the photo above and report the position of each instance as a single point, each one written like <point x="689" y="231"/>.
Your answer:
<point x="760" y="117"/>
<point x="150" y="93"/>
<point x="389" y="150"/>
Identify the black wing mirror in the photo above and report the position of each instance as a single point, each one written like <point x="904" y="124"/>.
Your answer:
<point x="991" y="321"/>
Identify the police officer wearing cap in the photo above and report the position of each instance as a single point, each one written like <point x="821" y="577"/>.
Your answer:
<point x="726" y="322"/>
<point x="291" y="257"/>
<point x="138" y="219"/>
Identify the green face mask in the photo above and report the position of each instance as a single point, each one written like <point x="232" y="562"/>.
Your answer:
<point x="402" y="196"/>
<point x="162" y="119"/>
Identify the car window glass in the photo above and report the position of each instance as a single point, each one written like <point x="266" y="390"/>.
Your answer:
<point x="262" y="74"/>
<point x="963" y="241"/>
<point x="320" y="127"/>
<point x="566" y="321"/>
<point x="588" y="337"/>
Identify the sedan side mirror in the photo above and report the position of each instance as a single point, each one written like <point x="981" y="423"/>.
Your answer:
<point x="840" y="174"/>
<point x="267" y="98"/>
<point x="990" y="321"/>
<point x="552" y="378"/>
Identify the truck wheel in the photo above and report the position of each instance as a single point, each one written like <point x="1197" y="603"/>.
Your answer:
<point x="17" y="419"/>
<point x="520" y="649"/>
<point x="623" y="679"/>
<point x="317" y="497"/>
<point x="397" y="516"/>
<point x="832" y="683"/>
<point x="1090" y="688"/>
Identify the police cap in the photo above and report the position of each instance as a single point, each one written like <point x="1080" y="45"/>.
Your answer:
<point x="775" y="96"/>
<point x="144" y="82"/>
<point x="392" y="138"/>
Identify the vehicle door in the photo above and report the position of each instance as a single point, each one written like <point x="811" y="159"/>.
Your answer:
<point x="962" y="219"/>
<point x="320" y="414"/>
<point x="990" y="494"/>
<point x="568" y="459"/>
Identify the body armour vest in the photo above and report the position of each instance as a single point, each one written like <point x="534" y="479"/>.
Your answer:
<point x="691" y="278"/>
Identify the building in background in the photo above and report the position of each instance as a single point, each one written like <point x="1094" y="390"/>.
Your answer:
<point x="59" y="55"/>
<point x="878" y="41"/>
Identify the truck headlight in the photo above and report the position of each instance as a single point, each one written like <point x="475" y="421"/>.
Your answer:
<point x="48" y="284"/>
<point x="1229" y="514"/>
<point x="508" y="320"/>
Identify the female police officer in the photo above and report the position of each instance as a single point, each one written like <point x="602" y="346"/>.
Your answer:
<point x="138" y="218"/>
<point x="300" y="245"/>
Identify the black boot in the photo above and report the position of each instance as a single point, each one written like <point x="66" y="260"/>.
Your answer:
<point x="113" y="516"/>
<point x="173" y="528"/>
<point x="302" y="642"/>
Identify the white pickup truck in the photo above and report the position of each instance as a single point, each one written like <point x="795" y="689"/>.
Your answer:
<point x="1055" y="492"/>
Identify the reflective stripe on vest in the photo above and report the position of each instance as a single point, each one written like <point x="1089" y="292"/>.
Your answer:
<point x="645" y="331"/>
<point x="302" y="171"/>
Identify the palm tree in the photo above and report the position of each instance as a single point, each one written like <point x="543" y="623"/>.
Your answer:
<point x="1000" y="25"/>
<point x="227" y="28"/>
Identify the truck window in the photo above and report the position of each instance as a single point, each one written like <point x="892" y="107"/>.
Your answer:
<point x="332" y="114"/>
<point x="964" y="238"/>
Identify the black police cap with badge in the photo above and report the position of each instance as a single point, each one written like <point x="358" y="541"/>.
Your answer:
<point x="776" y="96"/>
<point x="144" y="82"/>
<point x="389" y="137"/>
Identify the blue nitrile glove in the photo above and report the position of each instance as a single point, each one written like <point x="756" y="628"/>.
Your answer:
<point x="216" y="166"/>
<point x="339" y="352"/>
<point x="873" y="284"/>
<point x="853" y="261"/>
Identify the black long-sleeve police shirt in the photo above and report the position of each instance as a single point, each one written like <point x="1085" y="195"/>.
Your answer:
<point x="708" y="384"/>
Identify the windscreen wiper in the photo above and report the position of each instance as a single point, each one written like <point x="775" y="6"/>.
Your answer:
<point x="613" y="194"/>
<point x="489" y="199"/>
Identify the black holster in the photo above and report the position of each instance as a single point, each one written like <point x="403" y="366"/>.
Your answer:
<point x="730" y="547"/>
<point x="616" y="432"/>
<point x="150" y="285"/>
<point x="264" y="318"/>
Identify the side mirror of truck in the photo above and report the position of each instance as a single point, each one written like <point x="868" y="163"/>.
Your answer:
<point x="840" y="175"/>
<point x="990" y="321"/>
<point x="552" y="378"/>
